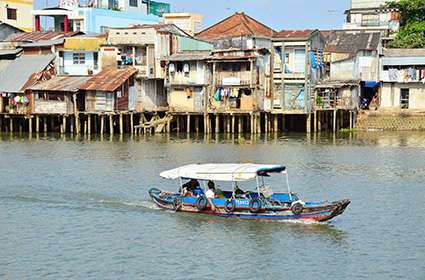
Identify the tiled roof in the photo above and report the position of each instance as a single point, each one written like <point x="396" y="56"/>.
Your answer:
<point x="109" y="79"/>
<point x="294" y="34"/>
<point x="239" y="24"/>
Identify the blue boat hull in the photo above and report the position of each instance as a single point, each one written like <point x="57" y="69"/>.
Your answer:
<point x="274" y="209"/>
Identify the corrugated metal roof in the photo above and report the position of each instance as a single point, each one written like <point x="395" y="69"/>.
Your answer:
<point x="404" y="52"/>
<point x="109" y="79"/>
<point x="189" y="55"/>
<point x="43" y="43"/>
<point x="41" y="36"/>
<point x="238" y="24"/>
<point x="9" y="52"/>
<point x="396" y="61"/>
<point x="16" y="75"/>
<point x="61" y="83"/>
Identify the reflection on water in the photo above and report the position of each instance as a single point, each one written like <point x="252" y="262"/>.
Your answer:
<point x="76" y="207"/>
<point x="383" y="139"/>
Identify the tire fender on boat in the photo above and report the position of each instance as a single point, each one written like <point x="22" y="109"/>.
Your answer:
<point x="177" y="203"/>
<point x="297" y="208"/>
<point x="255" y="205"/>
<point x="230" y="205"/>
<point x="201" y="203"/>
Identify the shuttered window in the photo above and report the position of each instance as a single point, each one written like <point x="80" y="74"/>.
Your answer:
<point x="11" y="14"/>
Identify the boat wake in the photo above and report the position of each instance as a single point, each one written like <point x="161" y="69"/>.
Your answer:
<point x="128" y="204"/>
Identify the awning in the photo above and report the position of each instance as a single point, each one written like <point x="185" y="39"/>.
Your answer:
<point x="371" y="84"/>
<point x="223" y="172"/>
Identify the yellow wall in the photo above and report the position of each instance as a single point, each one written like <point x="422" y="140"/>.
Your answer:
<point x="23" y="8"/>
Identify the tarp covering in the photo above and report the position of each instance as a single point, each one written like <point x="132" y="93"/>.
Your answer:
<point x="371" y="84"/>
<point x="222" y="172"/>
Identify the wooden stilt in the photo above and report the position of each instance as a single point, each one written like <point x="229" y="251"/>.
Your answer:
<point x="283" y="123"/>
<point x="251" y="126"/>
<point x="111" y="124"/>
<point x="188" y="123"/>
<point x="233" y="128"/>
<point x="37" y="124"/>
<point x="71" y="123"/>
<point x="45" y="124"/>
<point x="132" y="123"/>
<point x="258" y="123"/>
<point x="351" y="120"/>
<point x="64" y="123"/>
<point x="178" y="124"/>
<point x="11" y="124"/>
<point x="30" y="124"/>
<point x="334" y="121"/>
<point x="89" y="124"/>
<point x="85" y="126"/>
<point x="197" y="124"/>
<point x="308" y="123"/>
<point x="217" y="124"/>
<point x="102" y="124"/>
<point x="276" y="123"/>
<point x="266" y="123"/>
<point x="121" y="124"/>
<point x="319" y="121"/>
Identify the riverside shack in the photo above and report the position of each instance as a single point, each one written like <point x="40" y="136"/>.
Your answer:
<point x="111" y="90"/>
<point x="58" y="95"/>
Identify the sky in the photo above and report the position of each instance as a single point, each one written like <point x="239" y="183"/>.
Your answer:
<point x="278" y="14"/>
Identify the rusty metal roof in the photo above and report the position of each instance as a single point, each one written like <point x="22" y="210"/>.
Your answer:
<point x="109" y="79"/>
<point x="61" y="83"/>
<point x="189" y="56"/>
<point x="239" y="24"/>
<point x="41" y="36"/>
<point x="294" y="34"/>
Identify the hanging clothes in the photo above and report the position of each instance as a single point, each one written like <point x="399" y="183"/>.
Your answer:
<point x="411" y="73"/>
<point x="234" y="93"/>
<point x="313" y="61"/>
<point x="217" y="94"/>
<point x="392" y="74"/>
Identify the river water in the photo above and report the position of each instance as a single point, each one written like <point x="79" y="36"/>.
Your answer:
<point x="78" y="209"/>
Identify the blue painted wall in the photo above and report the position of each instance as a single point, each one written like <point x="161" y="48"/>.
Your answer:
<point x="95" y="19"/>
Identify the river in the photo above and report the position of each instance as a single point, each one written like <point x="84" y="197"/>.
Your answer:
<point x="78" y="208"/>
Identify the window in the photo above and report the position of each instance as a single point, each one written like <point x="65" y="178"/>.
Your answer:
<point x="404" y="98"/>
<point x="370" y="20"/>
<point x="11" y="14"/>
<point x="133" y="3"/>
<point x="79" y="58"/>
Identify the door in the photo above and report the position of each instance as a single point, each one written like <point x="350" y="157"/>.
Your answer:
<point x="404" y="98"/>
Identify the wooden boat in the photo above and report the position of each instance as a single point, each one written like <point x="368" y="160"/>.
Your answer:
<point x="261" y="204"/>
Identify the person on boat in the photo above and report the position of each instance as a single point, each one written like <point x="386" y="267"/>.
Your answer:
<point x="190" y="187"/>
<point x="210" y="194"/>
<point x="238" y="192"/>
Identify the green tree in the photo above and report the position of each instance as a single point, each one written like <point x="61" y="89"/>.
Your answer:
<point x="412" y="23"/>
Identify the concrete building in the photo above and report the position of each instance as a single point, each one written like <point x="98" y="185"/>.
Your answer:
<point x="188" y="22"/>
<point x="91" y="20"/>
<point x="402" y="74"/>
<point x="369" y="15"/>
<point x="298" y="66"/>
<point x="17" y="13"/>
<point x="80" y="55"/>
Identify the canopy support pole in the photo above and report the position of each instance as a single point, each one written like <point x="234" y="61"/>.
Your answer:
<point x="287" y="184"/>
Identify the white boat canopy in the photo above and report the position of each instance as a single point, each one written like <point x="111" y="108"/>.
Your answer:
<point x="223" y="172"/>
